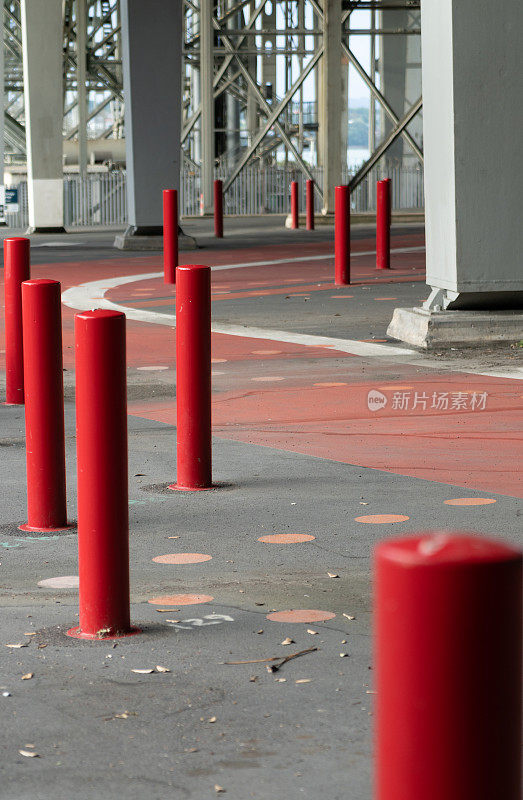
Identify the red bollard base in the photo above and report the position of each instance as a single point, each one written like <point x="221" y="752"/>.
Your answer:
<point x="76" y="633"/>
<point x="5" y="403"/>
<point x="175" y="487"/>
<point x="43" y="529"/>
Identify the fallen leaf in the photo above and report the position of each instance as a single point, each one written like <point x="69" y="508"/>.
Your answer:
<point x="269" y="668"/>
<point x="29" y="754"/>
<point x="173" y="537"/>
<point x="333" y="574"/>
<point x="143" y="671"/>
<point x="191" y="750"/>
<point x="33" y="633"/>
<point x="164" y="610"/>
<point x="280" y="680"/>
<point x="260" y="631"/>
<point x="304" y="680"/>
<point x="288" y="640"/>
<point x="344" y="655"/>
<point x="349" y="617"/>
<point x="40" y="646"/>
<point x="259" y="604"/>
<point x="172" y="620"/>
<point x="27" y="676"/>
<point x="364" y="504"/>
<point x="344" y="641"/>
<point x="218" y="788"/>
<point x="162" y="669"/>
<point x="20" y="644"/>
<point x="312" y="633"/>
<point x="253" y="678"/>
<point x="124" y="715"/>
<point x="211" y="719"/>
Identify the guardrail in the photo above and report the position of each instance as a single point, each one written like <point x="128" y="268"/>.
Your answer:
<point x="101" y="199"/>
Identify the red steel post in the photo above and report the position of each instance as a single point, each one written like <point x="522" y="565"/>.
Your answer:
<point x="218" y="209"/>
<point x="295" y="206"/>
<point x="309" y="209"/>
<point x="101" y="446"/>
<point x="16" y="270"/>
<point x="342" y="235"/>
<point x="193" y="378"/>
<point x="44" y="406"/>
<point x="448" y="668"/>
<point x="383" y="218"/>
<point x="170" y="235"/>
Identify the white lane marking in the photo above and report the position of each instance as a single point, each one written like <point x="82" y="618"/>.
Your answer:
<point x="312" y="258"/>
<point x="57" y="244"/>
<point x="81" y="298"/>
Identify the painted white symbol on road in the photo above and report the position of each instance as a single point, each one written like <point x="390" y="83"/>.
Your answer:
<point x="376" y="400"/>
<point x="190" y="624"/>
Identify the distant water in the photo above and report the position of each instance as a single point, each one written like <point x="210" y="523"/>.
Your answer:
<point x="356" y="156"/>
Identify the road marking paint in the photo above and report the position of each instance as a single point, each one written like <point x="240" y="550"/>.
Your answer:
<point x="63" y="582"/>
<point x="286" y="538"/>
<point x="182" y="558"/>
<point x="180" y="599"/>
<point x="470" y="501"/>
<point x="380" y="519"/>
<point x="300" y="615"/>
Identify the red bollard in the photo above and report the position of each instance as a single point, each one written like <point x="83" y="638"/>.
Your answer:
<point x="44" y="406"/>
<point x="16" y="270"/>
<point x="448" y="680"/>
<point x="193" y="378"/>
<point x="170" y="235"/>
<point x="295" y="206"/>
<point x="309" y="205"/>
<point x="383" y="219"/>
<point x="342" y="235"/>
<point x="101" y="446"/>
<point x="218" y="209"/>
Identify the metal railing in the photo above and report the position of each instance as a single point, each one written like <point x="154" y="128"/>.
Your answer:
<point x="101" y="200"/>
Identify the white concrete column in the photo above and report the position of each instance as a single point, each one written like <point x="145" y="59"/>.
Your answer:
<point x="472" y="119"/>
<point x="81" y="77"/>
<point x="42" y="40"/>
<point x="207" y="100"/>
<point x="252" y="106"/>
<point x="472" y="103"/>
<point x="333" y="102"/>
<point x="151" y="52"/>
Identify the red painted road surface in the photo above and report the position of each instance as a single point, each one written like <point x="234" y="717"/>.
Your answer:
<point x="453" y="428"/>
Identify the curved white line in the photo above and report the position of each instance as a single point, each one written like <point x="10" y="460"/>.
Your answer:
<point x="91" y="295"/>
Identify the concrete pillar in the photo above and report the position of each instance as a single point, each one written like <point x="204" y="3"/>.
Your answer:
<point x="472" y="107"/>
<point x="42" y="40"/>
<point x="333" y="102"/>
<point x="400" y="76"/>
<point x="207" y="100"/>
<point x="232" y="111"/>
<point x="151" y="53"/>
<point x="252" y="106"/>
<point x="81" y="76"/>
